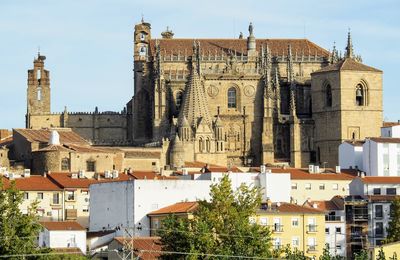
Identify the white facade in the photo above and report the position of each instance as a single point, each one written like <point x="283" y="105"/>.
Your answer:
<point x="121" y="205"/>
<point x="381" y="158"/>
<point x="335" y="232"/>
<point x="63" y="239"/>
<point x="359" y="187"/>
<point x="379" y="212"/>
<point x="350" y="155"/>
<point x="391" y="131"/>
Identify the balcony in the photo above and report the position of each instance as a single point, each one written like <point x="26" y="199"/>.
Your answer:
<point x="311" y="248"/>
<point x="311" y="228"/>
<point x="333" y="218"/>
<point x="360" y="217"/>
<point x="277" y="228"/>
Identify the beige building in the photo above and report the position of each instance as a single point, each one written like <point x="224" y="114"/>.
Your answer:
<point x="300" y="227"/>
<point x="230" y="101"/>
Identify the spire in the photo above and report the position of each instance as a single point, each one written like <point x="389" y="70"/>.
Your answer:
<point x="290" y="72"/>
<point x="292" y="102"/>
<point x="349" y="47"/>
<point x="167" y="34"/>
<point x="334" y="54"/>
<point x="196" y="56"/>
<point x="194" y="106"/>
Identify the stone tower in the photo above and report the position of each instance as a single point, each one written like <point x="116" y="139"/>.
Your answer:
<point x="38" y="92"/>
<point x="346" y="104"/>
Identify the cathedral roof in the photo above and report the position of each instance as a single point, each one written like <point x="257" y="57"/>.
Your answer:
<point x="218" y="122"/>
<point x="212" y="46"/>
<point x="194" y="106"/>
<point x="347" y="64"/>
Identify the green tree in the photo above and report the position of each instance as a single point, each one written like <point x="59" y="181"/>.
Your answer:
<point x="362" y="255"/>
<point x="394" y="256"/>
<point x="393" y="230"/>
<point x="381" y="255"/>
<point x="219" y="227"/>
<point x="18" y="232"/>
<point x="296" y="254"/>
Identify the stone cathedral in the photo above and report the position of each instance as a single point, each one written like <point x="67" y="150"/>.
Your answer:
<point x="244" y="101"/>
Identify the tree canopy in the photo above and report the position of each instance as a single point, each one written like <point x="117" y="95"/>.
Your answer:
<point x="219" y="228"/>
<point x="394" y="225"/>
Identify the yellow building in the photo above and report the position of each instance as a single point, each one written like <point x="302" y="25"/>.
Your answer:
<point x="391" y="250"/>
<point x="180" y="209"/>
<point x="300" y="227"/>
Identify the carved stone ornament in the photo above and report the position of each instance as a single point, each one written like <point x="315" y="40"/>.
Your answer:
<point x="212" y="91"/>
<point x="249" y="91"/>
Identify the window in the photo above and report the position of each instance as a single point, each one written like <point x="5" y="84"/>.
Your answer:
<point x="142" y="51"/>
<point x="308" y="186"/>
<point x="360" y="95"/>
<point x="263" y="221"/>
<point x="377" y="191"/>
<point x="84" y="192"/>
<point x="232" y="98"/>
<point x="26" y="196"/>
<point x="391" y="191"/>
<point x="312" y="243"/>
<point x="379" y="229"/>
<point x="39" y="93"/>
<point x="338" y="230"/>
<point x="322" y="186"/>
<point x="40" y="195"/>
<point x="201" y="145"/>
<point x="65" y="164"/>
<point x="153" y="164"/>
<point x="277" y="243"/>
<point x="208" y="145"/>
<point x="335" y="186"/>
<point x="90" y="166"/>
<point x="295" y="222"/>
<point x="38" y="74"/>
<point x="294" y="186"/>
<point x="385" y="154"/>
<point x="378" y="211"/>
<point x="56" y="198"/>
<point x="338" y="247"/>
<point x="328" y="94"/>
<point x="70" y="195"/>
<point x="178" y="100"/>
<point x="142" y="36"/>
<point x="295" y="242"/>
<point x="327" y="230"/>
<point x="85" y="209"/>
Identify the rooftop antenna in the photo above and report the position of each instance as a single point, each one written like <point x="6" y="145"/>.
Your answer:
<point x="142" y="18"/>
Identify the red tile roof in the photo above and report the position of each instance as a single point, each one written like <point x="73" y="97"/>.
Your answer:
<point x="355" y="142"/>
<point x="180" y="207"/>
<point x="303" y="174"/>
<point x="67" y="136"/>
<point x="141" y="175"/>
<point x="347" y="64"/>
<point x="64" y="180"/>
<point x="212" y="46"/>
<point x="6" y="141"/>
<point x="385" y="139"/>
<point x="32" y="183"/>
<point x="336" y="203"/>
<point x="290" y="208"/>
<point x="389" y="124"/>
<point x="144" y="247"/>
<point x="62" y="225"/>
<point x="380" y="180"/>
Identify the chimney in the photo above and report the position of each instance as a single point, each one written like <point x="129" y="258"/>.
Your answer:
<point x="54" y="138"/>
<point x="315" y="205"/>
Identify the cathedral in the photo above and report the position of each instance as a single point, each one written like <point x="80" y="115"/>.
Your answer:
<point x="245" y="101"/>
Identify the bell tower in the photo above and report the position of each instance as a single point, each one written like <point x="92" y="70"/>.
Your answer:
<point x="38" y="92"/>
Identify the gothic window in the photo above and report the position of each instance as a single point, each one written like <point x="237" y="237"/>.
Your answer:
<point x="39" y="74"/>
<point x="178" y="101"/>
<point x="232" y="98"/>
<point x="142" y="51"/>
<point x="65" y="164"/>
<point x="142" y="36"/>
<point x="328" y="93"/>
<point x="39" y="93"/>
<point x="208" y="145"/>
<point x="201" y="145"/>
<point x="90" y="166"/>
<point x="361" y="95"/>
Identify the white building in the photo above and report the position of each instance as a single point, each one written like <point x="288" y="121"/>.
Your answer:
<point x="335" y="224"/>
<point x="375" y="186"/>
<point x="390" y="130"/>
<point x="351" y="155"/>
<point x="381" y="156"/>
<point x="123" y="206"/>
<point x="61" y="234"/>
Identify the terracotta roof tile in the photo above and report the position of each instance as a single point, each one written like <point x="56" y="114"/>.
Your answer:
<point x="141" y="175"/>
<point x="6" y="141"/>
<point x="212" y="46"/>
<point x="347" y="64"/>
<point x="303" y="174"/>
<point x="380" y="180"/>
<point x="180" y="207"/>
<point x="355" y="142"/>
<point x="389" y="124"/>
<point x="325" y="205"/>
<point x="290" y="208"/>
<point x="143" y="154"/>
<point x="67" y="136"/>
<point x="385" y="139"/>
<point x="32" y="183"/>
<point x="144" y="247"/>
<point x="66" y="181"/>
<point x="62" y="225"/>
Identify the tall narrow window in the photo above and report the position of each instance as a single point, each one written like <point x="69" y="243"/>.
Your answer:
<point x="232" y="98"/>
<point x="201" y="145"/>
<point x="179" y="97"/>
<point x="208" y="145"/>
<point x="142" y="51"/>
<point x="65" y="164"/>
<point x="39" y="93"/>
<point x="360" y="95"/>
<point x="39" y="74"/>
<point x="328" y="96"/>
<point x="90" y="166"/>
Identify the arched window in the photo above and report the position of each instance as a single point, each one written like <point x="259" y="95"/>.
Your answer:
<point x="142" y="51"/>
<point x="208" y="145"/>
<point x="178" y="100"/>
<point x="328" y="95"/>
<point x="361" y="95"/>
<point x="201" y="145"/>
<point x="39" y="93"/>
<point x="232" y="98"/>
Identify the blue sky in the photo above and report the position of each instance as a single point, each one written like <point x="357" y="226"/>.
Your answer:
<point x="88" y="43"/>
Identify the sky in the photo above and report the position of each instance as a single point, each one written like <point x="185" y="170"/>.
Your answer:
<point x="89" y="43"/>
